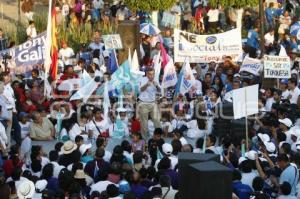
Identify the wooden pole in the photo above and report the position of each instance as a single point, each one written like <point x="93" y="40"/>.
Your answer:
<point x="262" y="31"/>
<point x="19" y="20"/>
<point x="246" y="122"/>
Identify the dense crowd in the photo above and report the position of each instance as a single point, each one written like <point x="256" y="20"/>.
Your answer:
<point x="148" y="128"/>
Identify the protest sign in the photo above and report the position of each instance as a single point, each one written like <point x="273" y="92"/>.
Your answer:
<point x="245" y="101"/>
<point x="251" y="65"/>
<point x="207" y="48"/>
<point x="26" y="55"/>
<point x="112" y="41"/>
<point x="277" y="67"/>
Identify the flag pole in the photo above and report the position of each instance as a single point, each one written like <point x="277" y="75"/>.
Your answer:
<point x="246" y="122"/>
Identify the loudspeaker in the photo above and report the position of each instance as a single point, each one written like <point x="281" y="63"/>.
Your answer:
<point x="130" y="35"/>
<point x="208" y="180"/>
<point x="184" y="160"/>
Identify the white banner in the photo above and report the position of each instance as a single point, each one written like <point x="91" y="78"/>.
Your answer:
<point x="207" y="48"/>
<point x="251" y="65"/>
<point x="277" y="67"/>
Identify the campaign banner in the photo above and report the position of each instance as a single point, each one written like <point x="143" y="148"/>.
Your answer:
<point x="277" y="67"/>
<point x="112" y="41"/>
<point x="207" y="48"/>
<point x="251" y="65"/>
<point x="27" y="55"/>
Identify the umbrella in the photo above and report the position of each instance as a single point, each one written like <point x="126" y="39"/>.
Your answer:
<point x="149" y="29"/>
<point x="295" y="30"/>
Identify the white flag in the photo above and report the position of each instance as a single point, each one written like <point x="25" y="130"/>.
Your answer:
<point x="170" y="75"/>
<point x="157" y="67"/>
<point x="188" y="79"/>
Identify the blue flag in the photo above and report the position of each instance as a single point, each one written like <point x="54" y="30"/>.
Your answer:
<point x="112" y="62"/>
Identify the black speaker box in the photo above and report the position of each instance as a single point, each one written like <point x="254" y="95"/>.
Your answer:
<point x="208" y="180"/>
<point x="184" y="160"/>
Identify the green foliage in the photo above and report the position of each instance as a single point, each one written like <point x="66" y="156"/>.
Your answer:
<point x="76" y="35"/>
<point x="150" y="5"/>
<point x="40" y="21"/>
<point x="236" y="3"/>
<point x="18" y="36"/>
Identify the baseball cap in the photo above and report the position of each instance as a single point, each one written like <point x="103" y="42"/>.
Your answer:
<point x="167" y="148"/>
<point x="286" y="121"/>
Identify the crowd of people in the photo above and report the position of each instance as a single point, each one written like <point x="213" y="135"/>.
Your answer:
<point x="149" y="127"/>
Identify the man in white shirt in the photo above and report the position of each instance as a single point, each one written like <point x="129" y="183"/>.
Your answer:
<point x="283" y="86"/>
<point x="98" y="125"/>
<point x="66" y="53"/>
<point x="12" y="121"/>
<point x="294" y="91"/>
<point x="31" y="31"/>
<point x="102" y="184"/>
<point x="147" y="105"/>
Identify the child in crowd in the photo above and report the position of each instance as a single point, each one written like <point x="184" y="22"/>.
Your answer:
<point x="138" y="144"/>
<point x="155" y="145"/>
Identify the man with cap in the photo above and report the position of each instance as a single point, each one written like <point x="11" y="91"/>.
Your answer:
<point x="167" y="151"/>
<point x="283" y="86"/>
<point x="40" y="186"/>
<point x="285" y="125"/>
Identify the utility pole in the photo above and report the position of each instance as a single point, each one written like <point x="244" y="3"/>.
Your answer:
<point x="262" y="28"/>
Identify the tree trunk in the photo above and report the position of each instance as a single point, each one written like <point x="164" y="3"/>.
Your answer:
<point x="154" y="17"/>
<point x="262" y="28"/>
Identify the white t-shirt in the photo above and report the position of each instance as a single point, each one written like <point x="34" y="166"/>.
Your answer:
<point x="247" y="178"/>
<point x="213" y="15"/>
<point x="65" y="54"/>
<point x="285" y="94"/>
<point x="269" y="39"/>
<point x="25" y="129"/>
<point x="102" y="126"/>
<point x="3" y="136"/>
<point x="122" y="14"/>
<point x="31" y="32"/>
<point x="97" y="4"/>
<point x="65" y="10"/>
<point x="269" y="103"/>
<point x="295" y="94"/>
<point x="101" y="186"/>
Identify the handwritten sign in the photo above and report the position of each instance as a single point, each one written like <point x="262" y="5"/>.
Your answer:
<point x="277" y="67"/>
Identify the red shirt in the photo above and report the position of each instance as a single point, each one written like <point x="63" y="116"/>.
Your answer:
<point x="9" y="166"/>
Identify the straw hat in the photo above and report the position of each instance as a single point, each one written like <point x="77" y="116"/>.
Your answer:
<point x="68" y="147"/>
<point x="26" y="189"/>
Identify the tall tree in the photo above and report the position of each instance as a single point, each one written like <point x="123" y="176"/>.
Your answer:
<point x="236" y="3"/>
<point x="150" y="5"/>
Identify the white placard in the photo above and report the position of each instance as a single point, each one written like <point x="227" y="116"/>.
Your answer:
<point x="277" y="67"/>
<point x="251" y="65"/>
<point x="245" y="101"/>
